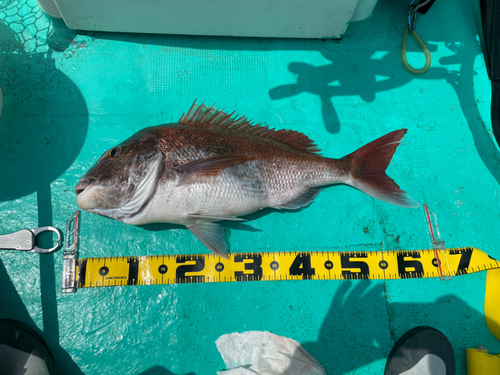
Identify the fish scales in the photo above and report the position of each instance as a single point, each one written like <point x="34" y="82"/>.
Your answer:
<point x="209" y="168"/>
<point x="276" y="165"/>
<point x="277" y="175"/>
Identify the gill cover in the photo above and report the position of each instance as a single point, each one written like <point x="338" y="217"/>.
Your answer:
<point x="141" y="195"/>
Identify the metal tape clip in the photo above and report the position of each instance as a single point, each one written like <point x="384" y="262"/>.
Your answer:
<point x="70" y="254"/>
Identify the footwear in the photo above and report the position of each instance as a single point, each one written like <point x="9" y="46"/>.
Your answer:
<point x="421" y="351"/>
<point x="23" y="351"/>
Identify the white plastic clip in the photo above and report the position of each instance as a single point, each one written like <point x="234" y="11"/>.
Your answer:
<point x="437" y="242"/>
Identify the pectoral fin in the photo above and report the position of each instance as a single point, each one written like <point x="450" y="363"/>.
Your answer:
<point x="209" y="167"/>
<point x="211" y="235"/>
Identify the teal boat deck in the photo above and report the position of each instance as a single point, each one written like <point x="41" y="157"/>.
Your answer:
<point x="69" y="96"/>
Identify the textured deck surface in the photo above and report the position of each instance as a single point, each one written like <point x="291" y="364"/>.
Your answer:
<point x="69" y="96"/>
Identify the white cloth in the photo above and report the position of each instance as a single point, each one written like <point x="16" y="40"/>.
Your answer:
<point x="429" y="364"/>
<point x="264" y="353"/>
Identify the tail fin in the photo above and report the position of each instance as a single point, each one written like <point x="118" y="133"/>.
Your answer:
<point x="368" y="170"/>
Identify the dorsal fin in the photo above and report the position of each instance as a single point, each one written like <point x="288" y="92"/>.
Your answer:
<point x="201" y="115"/>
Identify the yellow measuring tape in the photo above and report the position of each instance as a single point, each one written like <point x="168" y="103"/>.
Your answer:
<point x="272" y="266"/>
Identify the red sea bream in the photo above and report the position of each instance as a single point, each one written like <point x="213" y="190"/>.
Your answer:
<point x="210" y="167"/>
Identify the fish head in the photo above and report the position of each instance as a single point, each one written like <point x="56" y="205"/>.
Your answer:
<point x="123" y="180"/>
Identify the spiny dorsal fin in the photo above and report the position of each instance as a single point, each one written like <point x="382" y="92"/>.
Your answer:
<point x="201" y="115"/>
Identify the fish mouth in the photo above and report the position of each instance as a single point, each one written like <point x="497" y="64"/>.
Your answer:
<point x="83" y="184"/>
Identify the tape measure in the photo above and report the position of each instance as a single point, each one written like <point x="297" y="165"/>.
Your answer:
<point x="274" y="266"/>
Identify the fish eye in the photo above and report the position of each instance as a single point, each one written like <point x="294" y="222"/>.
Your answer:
<point x="114" y="152"/>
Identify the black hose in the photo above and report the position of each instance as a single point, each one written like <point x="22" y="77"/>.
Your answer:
<point x="495" y="108"/>
<point x="490" y="17"/>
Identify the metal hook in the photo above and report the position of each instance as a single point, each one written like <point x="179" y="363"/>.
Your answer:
<point x="37" y="231"/>
<point x="25" y="240"/>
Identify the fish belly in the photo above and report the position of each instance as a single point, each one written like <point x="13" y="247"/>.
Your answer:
<point x="237" y="191"/>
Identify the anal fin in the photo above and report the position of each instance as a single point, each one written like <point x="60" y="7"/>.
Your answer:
<point x="211" y="235"/>
<point x="304" y="200"/>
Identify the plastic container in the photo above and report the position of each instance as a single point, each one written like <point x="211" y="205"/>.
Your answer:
<point x="258" y="18"/>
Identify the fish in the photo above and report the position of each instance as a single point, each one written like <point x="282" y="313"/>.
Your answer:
<point x="213" y="166"/>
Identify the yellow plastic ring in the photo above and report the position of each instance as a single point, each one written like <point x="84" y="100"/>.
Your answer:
<point x="425" y="50"/>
